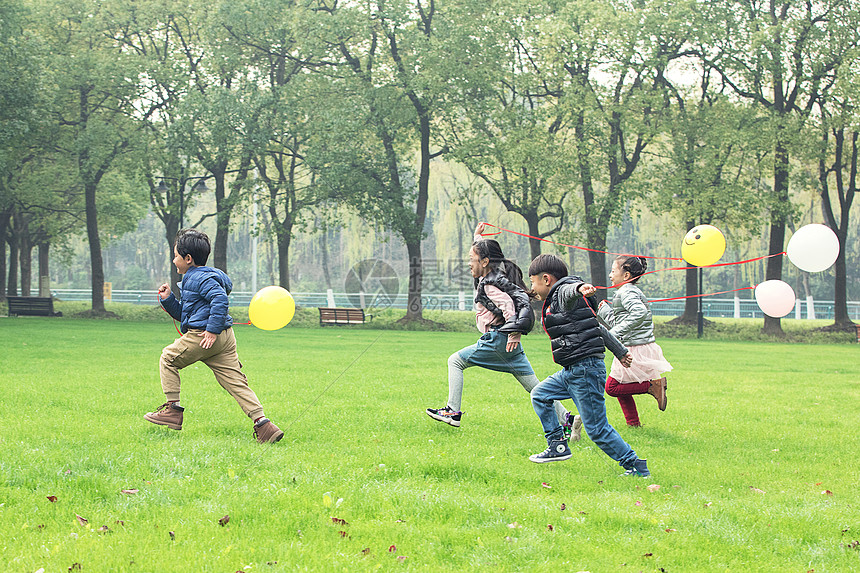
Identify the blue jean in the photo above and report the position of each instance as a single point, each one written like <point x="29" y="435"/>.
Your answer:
<point x="583" y="382"/>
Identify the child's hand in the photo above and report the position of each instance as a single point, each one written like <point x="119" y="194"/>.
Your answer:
<point x="587" y="289"/>
<point x="208" y="340"/>
<point x="479" y="230"/>
<point x="164" y="291"/>
<point x="627" y="360"/>
<point x="513" y="341"/>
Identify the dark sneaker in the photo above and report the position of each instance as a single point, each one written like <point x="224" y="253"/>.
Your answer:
<point x="446" y="415"/>
<point x="639" y="469"/>
<point x="167" y="414"/>
<point x="658" y="390"/>
<point x="572" y="427"/>
<point x="557" y="451"/>
<point x="267" y="432"/>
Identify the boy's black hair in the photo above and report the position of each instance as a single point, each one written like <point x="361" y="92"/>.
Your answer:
<point x="491" y="249"/>
<point x="195" y="243"/>
<point x="549" y="264"/>
<point x="634" y="265"/>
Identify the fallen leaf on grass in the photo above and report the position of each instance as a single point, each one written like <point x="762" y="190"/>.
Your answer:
<point x="709" y="504"/>
<point x="563" y="507"/>
<point x="546" y="485"/>
<point x="514" y="525"/>
<point x="757" y="490"/>
<point x="392" y="548"/>
<point x="670" y="530"/>
<point x="120" y="522"/>
<point x="401" y="558"/>
<point x="343" y="533"/>
<point x="826" y="492"/>
<point x="172" y="535"/>
<point x="339" y="521"/>
<point x="52" y="498"/>
<point x="366" y="551"/>
<point x="130" y="491"/>
<point x="75" y="567"/>
<point x="549" y="527"/>
<point x="224" y="520"/>
<point x="653" y="487"/>
<point x="82" y="520"/>
<point x="648" y="555"/>
<point x="638" y="503"/>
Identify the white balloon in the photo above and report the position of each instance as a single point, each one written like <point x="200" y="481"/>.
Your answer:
<point x="775" y="298"/>
<point x="813" y="248"/>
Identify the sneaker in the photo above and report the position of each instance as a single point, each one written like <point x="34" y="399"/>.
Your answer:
<point x="572" y="427"/>
<point x="658" y="390"/>
<point x="167" y="414"/>
<point x="557" y="451"/>
<point x="639" y="469"/>
<point x="267" y="432"/>
<point x="446" y="415"/>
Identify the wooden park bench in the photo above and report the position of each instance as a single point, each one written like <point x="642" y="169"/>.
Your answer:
<point x="31" y="306"/>
<point x="343" y="316"/>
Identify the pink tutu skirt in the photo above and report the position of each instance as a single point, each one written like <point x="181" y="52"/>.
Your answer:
<point x="648" y="364"/>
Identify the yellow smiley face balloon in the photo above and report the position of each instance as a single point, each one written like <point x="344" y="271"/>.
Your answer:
<point x="703" y="245"/>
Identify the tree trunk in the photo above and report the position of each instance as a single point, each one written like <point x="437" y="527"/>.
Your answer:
<point x="171" y="228"/>
<point x="414" y="307"/>
<point x="222" y="225"/>
<point x="325" y="262"/>
<point x="773" y="269"/>
<point x="840" y="287"/>
<point x="25" y="257"/>
<point x="284" y="239"/>
<point x="12" y="283"/>
<point x="96" y="262"/>
<point x="44" y="271"/>
<point x="691" y="288"/>
<point x="533" y="222"/>
<point x="4" y="228"/>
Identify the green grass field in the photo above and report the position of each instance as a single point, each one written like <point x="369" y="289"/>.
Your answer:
<point x="755" y="459"/>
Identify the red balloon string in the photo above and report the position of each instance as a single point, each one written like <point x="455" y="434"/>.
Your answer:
<point x="160" y="303"/>
<point x="501" y="230"/>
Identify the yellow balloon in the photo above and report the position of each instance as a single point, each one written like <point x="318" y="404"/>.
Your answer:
<point x="703" y="245"/>
<point x="271" y="308"/>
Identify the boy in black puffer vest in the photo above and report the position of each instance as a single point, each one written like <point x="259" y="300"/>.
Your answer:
<point x="578" y="344"/>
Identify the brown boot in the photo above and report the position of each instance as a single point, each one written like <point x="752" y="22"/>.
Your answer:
<point x="267" y="432"/>
<point x="658" y="390"/>
<point x="168" y="414"/>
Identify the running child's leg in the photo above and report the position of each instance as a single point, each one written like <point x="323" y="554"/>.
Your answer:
<point x="456" y="366"/>
<point x="529" y="381"/>
<point x="544" y="396"/>
<point x="585" y="383"/>
<point x="624" y="393"/>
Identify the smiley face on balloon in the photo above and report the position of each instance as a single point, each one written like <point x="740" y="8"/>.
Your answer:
<point x="703" y="245"/>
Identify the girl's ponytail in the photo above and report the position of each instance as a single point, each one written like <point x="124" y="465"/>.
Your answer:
<point x="634" y="265"/>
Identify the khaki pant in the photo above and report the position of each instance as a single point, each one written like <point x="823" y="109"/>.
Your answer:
<point x="221" y="359"/>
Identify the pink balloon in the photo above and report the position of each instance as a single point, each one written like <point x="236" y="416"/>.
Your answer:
<point x="775" y="298"/>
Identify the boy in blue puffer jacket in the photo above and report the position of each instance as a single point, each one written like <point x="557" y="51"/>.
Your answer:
<point x="207" y="336"/>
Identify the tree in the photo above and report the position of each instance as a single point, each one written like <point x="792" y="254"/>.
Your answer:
<point x="507" y="123"/>
<point x="781" y="55"/>
<point x="616" y="59"/>
<point x="386" y="100"/>
<point x="837" y="173"/>
<point x="273" y="40"/>
<point x="94" y="104"/>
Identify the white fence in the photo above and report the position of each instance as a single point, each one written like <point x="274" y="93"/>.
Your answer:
<point x="711" y="307"/>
